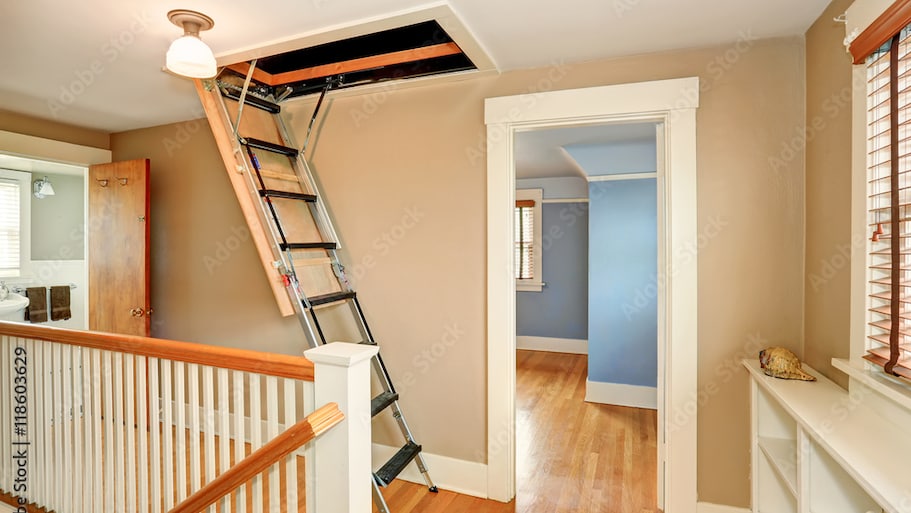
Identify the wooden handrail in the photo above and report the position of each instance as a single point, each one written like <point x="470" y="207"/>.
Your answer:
<point x="284" y="444"/>
<point x="270" y="364"/>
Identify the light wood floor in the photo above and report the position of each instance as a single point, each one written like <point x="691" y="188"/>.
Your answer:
<point x="572" y="456"/>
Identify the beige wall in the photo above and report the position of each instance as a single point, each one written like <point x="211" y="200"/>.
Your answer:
<point x="828" y="168"/>
<point x="383" y="153"/>
<point x="207" y="283"/>
<point x="404" y="174"/>
<point x="36" y="127"/>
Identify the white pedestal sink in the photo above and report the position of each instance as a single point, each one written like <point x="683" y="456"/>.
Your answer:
<point x="11" y="306"/>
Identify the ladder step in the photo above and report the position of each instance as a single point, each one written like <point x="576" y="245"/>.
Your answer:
<point x="274" y="148"/>
<point x="270" y="193"/>
<point x="397" y="464"/>
<point x="307" y="245"/>
<point x="330" y="298"/>
<point x="382" y="401"/>
<point x="253" y="101"/>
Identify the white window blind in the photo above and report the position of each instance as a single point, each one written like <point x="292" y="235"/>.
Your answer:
<point x="524" y="239"/>
<point x="9" y="227"/>
<point x="889" y="204"/>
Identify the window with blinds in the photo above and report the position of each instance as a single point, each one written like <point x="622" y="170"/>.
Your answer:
<point x="889" y="204"/>
<point x="9" y="228"/>
<point x="525" y="239"/>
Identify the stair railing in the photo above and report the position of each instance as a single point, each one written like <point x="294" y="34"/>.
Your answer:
<point x="98" y="422"/>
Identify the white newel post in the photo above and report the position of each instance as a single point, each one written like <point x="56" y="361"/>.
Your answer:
<point x="343" y="454"/>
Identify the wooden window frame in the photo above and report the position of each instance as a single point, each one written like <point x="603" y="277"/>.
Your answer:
<point x="887" y="173"/>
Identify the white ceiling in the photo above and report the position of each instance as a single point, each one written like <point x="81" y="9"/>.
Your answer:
<point x="543" y="153"/>
<point x="96" y="63"/>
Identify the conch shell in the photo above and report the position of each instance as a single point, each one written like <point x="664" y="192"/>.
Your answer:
<point x="778" y="362"/>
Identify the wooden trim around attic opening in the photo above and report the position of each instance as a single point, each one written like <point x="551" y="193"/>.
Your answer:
<point x="889" y="23"/>
<point x="364" y="63"/>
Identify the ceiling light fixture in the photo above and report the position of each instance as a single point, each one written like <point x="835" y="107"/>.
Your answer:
<point x="43" y="188"/>
<point x="188" y="56"/>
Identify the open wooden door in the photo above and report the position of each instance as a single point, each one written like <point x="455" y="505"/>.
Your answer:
<point x="118" y="238"/>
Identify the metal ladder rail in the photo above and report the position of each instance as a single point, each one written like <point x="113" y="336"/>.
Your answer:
<point x="283" y="259"/>
<point x="321" y="218"/>
<point x="379" y="365"/>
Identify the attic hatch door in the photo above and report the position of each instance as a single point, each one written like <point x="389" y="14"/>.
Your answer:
<point x="417" y="50"/>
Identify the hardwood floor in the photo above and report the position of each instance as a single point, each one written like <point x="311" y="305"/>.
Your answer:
<point x="572" y="456"/>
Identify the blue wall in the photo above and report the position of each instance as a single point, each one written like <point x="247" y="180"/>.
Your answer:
<point x="623" y="264"/>
<point x="560" y="310"/>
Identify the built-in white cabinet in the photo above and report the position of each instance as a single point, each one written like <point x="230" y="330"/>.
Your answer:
<point x="817" y="449"/>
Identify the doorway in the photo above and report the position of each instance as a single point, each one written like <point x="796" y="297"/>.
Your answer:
<point x="68" y="160"/>
<point x="671" y="104"/>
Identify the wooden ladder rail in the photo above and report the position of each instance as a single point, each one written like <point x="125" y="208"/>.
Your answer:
<point x="284" y="444"/>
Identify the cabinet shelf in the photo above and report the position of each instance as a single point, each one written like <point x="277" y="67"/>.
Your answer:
<point x="782" y="456"/>
<point x="818" y="449"/>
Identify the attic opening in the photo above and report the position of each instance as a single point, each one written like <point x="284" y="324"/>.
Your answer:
<point x="412" y="51"/>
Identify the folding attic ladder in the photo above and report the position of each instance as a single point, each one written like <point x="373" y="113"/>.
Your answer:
<point x="303" y="241"/>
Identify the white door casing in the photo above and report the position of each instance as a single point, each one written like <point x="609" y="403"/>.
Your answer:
<point x="673" y="104"/>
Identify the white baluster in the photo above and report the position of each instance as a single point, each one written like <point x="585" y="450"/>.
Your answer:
<point x="180" y="429"/>
<point x="88" y="439"/>
<point x="78" y="450"/>
<point x="6" y="392"/>
<point x="108" y="434"/>
<point x="193" y="407"/>
<point x="272" y="432"/>
<point x="256" y="436"/>
<point x="47" y="377"/>
<point x="155" y="429"/>
<point x="59" y="428"/>
<point x="289" y="386"/>
<point x="67" y="421"/>
<point x="129" y="426"/>
<point x="118" y="429"/>
<point x="208" y="423"/>
<point x="98" y="432"/>
<point x="167" y="431"/>
<point x="143" y="428"/>
<point x="240" y="435"/>
<point x="224" y="430"/>
<point x="34" y="394"/>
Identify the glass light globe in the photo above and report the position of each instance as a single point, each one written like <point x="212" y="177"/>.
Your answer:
<point x="190" y="57"/>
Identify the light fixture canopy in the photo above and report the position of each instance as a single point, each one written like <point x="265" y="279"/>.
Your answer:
<point x="43" y="188"/>
<point x="188" y="55"/>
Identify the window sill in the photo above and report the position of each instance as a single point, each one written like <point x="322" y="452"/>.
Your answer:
<point x="892" y="389"/>
<point x="529" y="286"/>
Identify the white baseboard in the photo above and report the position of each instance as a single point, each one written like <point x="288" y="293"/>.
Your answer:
<point x="705" y="507"/>
<point x="621" y="395"/>
<point x="465" y="477"/>
<point x="553" y="345"/>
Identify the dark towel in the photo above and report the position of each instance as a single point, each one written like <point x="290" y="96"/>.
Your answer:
<point x="37" y="304"/>
<point x="60" y="303"/>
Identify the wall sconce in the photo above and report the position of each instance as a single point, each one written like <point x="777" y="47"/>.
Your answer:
<point x="43" y="187"/>
<point x="188" y="56"/>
